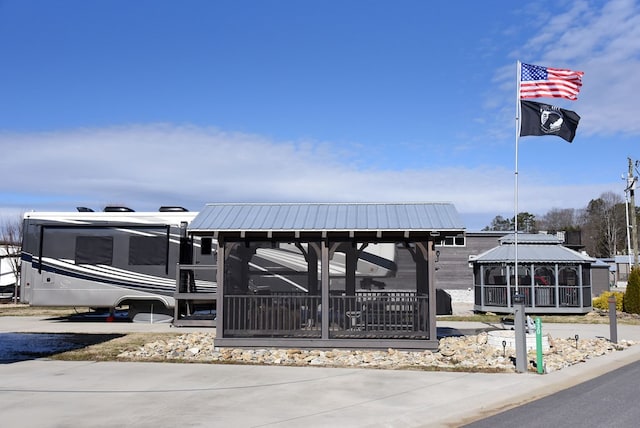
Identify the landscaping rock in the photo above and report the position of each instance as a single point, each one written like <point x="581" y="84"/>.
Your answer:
<point x="466" y="353"/>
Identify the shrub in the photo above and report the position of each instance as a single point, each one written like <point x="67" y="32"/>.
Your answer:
<point x="631" y="301"/>
<point x="602" y="301"/>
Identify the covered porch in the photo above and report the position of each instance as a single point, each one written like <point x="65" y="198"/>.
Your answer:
<point x="326" y="275"/>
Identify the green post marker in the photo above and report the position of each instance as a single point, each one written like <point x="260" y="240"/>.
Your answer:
<point x="539" y="362"/>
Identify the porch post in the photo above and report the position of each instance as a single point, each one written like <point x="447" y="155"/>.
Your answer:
<point x="324" y="263"/>
<point x="425" y="281"/>
<point x="580" y="290"/>
<point x="431" y="259"/>
<point x="481" y="302"/>
<point x="532" y="282"/>
<point x="220" y="324"/>
<point x="509" y="286"/>
<point x="557" y="286"/>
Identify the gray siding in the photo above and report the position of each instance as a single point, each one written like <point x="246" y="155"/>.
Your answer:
<point x="453" y="271"/>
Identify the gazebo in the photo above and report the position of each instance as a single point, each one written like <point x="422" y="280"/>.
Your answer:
<point x="553" y="278"/>
<point x="324" y="275"/>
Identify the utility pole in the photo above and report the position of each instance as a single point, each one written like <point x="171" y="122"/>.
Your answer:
<point x="631" y="186"/>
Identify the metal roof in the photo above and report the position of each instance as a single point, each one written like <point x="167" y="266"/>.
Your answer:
<point x="314" y="217"/>
<point x="532" y="253"/>
<point x="624" y="259"/>
<point x="531" y="238"/>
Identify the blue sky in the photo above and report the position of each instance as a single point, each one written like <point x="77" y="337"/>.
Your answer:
<point x="149" y="103"/>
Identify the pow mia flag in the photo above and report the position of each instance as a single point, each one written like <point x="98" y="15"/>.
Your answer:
<point x="544" y="119"/>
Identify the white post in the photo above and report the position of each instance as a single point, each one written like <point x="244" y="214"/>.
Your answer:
<point x="515" y="217"/>
<point x="518" y="299"/>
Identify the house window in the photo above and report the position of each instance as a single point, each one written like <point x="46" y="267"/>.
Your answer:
<point x="454" y="241"/>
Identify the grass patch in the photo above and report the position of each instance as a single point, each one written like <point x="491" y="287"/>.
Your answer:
<point x="22" y="310"/>
<point x="109" y="348"/>
<point x="554" y="319"/>
<point x="490" y="318"/>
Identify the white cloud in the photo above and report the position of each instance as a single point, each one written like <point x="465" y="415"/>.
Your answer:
<point x="147" y="166"/>
<point x="603" y="40"/>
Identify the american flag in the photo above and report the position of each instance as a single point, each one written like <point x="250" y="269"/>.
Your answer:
<point x="537" y="81"/>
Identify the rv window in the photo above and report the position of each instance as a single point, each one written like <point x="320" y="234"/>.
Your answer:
<point x="147" y="250"/>
<point x="95" y="250"/>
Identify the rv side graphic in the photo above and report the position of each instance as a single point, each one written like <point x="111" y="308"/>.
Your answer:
<point x="123" y="258"/>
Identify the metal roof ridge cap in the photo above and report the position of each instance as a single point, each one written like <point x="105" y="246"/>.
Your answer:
<point x="333" y="203"/>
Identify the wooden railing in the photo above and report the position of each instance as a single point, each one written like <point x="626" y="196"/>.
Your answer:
<point x="544" y="296"/>
<point x="367" y="314"/>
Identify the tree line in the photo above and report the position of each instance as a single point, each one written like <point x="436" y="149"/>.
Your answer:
<point x="601" y="225"/>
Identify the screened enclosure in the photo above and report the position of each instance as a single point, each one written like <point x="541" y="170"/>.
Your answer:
<point x="326" y="275"/>
<point x="552" y="278"/>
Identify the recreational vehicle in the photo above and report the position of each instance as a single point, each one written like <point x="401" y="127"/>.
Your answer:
<point x="121" y="258"/>
<point x="108" y="259"/>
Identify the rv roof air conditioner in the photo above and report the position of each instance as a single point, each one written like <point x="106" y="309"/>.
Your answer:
<point x="167" y="209"/>
<point x="84" y="210"/>
<point x="117" y="209"/>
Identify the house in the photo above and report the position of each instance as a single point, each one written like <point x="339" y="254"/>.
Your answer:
<point x="452" y="266"/>
<point x="622" y="267"/>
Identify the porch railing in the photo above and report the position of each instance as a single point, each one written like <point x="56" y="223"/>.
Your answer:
<point x="567" y="296"/>
<point x="367" y="314"/>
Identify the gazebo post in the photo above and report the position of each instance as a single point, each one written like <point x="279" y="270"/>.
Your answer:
<point x="425" y="281"/>
<point x="220" y="324"/>
<point x="431" y="279"/>
<point x="324" y="263"/>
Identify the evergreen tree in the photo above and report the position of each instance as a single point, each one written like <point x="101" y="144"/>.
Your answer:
<point x="631" y="300"/>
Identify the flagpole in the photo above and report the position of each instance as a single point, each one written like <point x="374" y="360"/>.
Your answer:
<point x="518" y="302"/>
<point x="515" y="202"/>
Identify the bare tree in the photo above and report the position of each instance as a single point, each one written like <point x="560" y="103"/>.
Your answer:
<point x="557" y="219"/>
<point x="604" y="225"/>
<point x="11" y="244"/>
<point x="600" y="227"/>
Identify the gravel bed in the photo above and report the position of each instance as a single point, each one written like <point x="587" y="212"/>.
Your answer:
<point x="466" y="353"/>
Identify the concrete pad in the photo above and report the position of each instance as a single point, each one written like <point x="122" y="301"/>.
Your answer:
<point x="46" y="393"/>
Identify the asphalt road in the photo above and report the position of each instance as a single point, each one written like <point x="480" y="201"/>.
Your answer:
<point x="610" y="400"/>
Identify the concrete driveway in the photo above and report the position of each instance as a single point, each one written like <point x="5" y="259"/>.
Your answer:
<point x="46" y="393"/>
